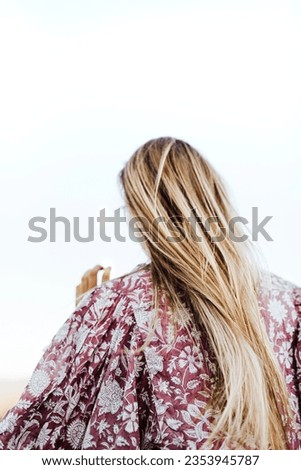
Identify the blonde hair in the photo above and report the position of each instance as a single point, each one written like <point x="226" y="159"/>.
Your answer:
<point x="217" y="281"/>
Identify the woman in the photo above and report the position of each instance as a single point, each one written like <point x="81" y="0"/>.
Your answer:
<point x="197" y="349"/>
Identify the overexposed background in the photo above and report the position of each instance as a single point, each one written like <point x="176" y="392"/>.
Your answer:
<point x="84" y="83"/>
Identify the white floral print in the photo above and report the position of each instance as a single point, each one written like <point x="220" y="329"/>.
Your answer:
<point x="277" y="310"/>
<point x="130" y="415"/>
<point x="8" y="423"/>
<point x="75" y="433"/>
<point x="187" y="358"/>
<point x="110" y="397"/>
<point x="154" y="361"/>
<point x="43" y="436"/>
<point x="38" y="382"/>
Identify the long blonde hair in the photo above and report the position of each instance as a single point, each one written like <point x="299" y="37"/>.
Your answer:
<point x="217" y="281"/>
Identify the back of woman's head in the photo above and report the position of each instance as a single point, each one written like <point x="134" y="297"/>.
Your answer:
<point x="204" y="262"/>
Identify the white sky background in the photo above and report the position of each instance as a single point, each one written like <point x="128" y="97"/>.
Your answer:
<point x="84" y="83"/>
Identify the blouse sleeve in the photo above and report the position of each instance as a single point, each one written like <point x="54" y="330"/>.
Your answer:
<point x="297" y="302"/>
<point x="90" y="388"/>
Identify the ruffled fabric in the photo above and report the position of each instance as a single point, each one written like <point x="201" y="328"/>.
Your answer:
<point x="95" y="389"/>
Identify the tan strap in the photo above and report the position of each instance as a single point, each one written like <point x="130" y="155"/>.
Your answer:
<point x="106" y="274"/>
<point x="89" y="281"/>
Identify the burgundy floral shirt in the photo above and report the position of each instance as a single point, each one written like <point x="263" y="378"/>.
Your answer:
<point x="91" y="390"/>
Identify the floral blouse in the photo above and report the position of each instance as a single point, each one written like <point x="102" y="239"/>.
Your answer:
<point x="92" y="389"/>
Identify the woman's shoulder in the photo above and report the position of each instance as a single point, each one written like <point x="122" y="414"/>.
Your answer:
<point x="280" y="298"/>
<point x="122" y="286"/>
<point x="104" y="308"/>
<point x="273" y="284"/>
<point x="276" y="282"/>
